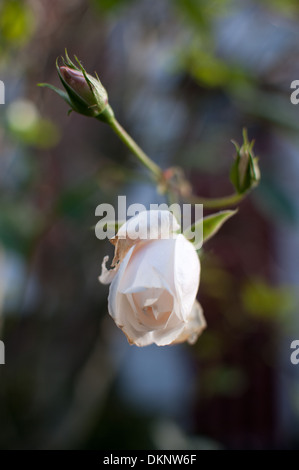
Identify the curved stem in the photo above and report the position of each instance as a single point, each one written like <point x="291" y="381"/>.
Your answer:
<point x="157" y="173"/>
<point x="138" y="152"/>
<point x="217" y="203"/>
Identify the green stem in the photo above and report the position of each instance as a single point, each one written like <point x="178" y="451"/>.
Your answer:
<point x="138" y="152"/>
<point x="157" y="173"/>
<point x="217" y="203"/>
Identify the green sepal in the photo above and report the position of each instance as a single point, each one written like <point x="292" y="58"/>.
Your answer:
<point x="244" y="173"/>
<point x="61" y="93"/>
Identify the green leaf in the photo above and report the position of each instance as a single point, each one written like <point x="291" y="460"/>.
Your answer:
<point x="212" y="223"/>
<point x="209" y="225"/>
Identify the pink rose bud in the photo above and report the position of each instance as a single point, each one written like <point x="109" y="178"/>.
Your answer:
<point x="83" y="93"/>
<point x="86" y="87"/>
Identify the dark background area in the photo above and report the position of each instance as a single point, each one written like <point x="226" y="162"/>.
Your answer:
<point x="183" y="77"/>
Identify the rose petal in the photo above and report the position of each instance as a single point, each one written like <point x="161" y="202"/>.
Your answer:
<point x="145" y="226"/>
<point x="186" y="274"/>
<point x="107" y="275"/>
<point x="194" y="326"/>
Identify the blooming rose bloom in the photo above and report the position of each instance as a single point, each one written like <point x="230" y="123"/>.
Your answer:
<point x="154" y="282"/>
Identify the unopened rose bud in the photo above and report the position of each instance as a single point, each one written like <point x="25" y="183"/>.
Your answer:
<point x="245" y="172"/>
<point x="88" y="88"/>
<point x="84" y="93"/>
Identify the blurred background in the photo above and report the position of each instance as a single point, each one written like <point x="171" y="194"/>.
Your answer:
<point x="184" y="77"/>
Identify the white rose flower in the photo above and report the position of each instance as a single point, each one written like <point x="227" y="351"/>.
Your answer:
<point x="154" y="282"/>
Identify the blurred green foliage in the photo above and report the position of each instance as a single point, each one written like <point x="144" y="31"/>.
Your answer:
<point x="28" y="127"/>
<point x="224" y="380"/>
<point x="110" y="6"/>
<point x="17" y="24"/>
<point x="269" y="302"/>
<point x="202" y="13"/>
<point x="288" y="8"/>
<point x="19" y="224"/>
<point x="209" y="70"/>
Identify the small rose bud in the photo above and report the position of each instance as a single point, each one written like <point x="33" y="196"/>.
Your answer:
<point x="84" y="93"/>
<point x="245" y="172"/>
<point x="88" y="88"/>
